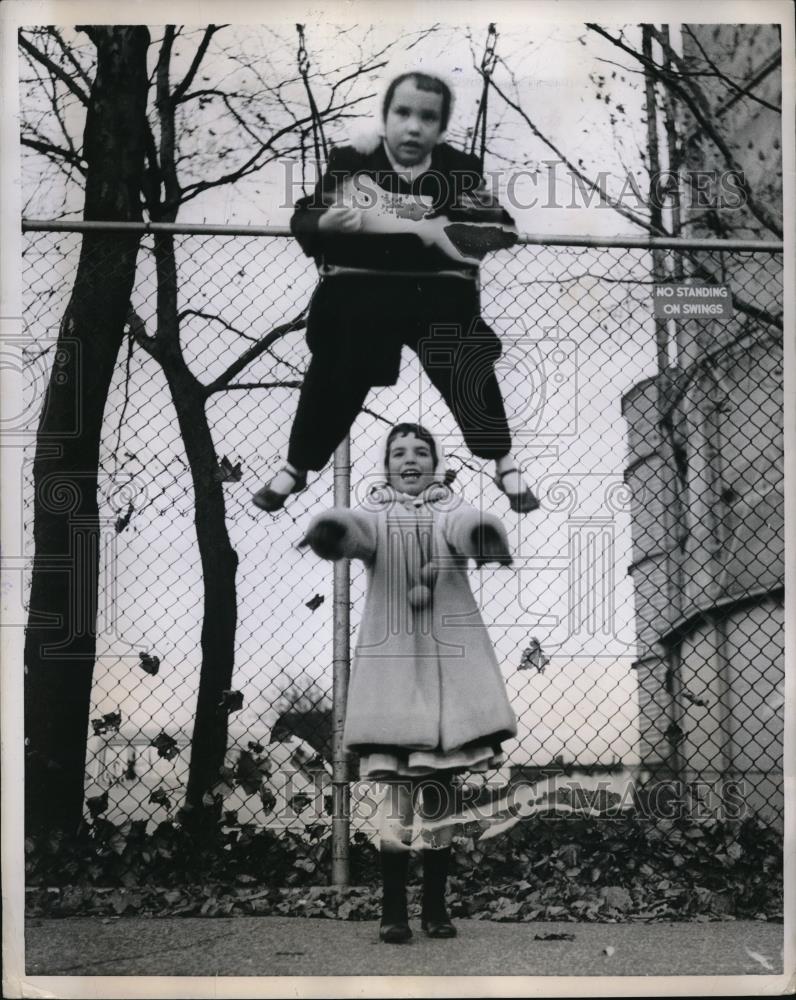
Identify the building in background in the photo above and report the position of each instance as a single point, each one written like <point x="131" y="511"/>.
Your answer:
<point x="705" y="462"/>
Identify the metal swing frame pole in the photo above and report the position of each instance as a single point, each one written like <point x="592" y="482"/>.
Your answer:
<point x="341" y="658"/>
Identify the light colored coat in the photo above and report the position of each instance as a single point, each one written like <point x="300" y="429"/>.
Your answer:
<point x="421" y="679"/>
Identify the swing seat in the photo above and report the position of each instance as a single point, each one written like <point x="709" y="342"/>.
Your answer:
<point x="326" y="270"/>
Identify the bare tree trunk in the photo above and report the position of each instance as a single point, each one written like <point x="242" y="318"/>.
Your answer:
<point x="220" y="613"/>
<point x="60" y="642"/>
<point x="218" y="558"/>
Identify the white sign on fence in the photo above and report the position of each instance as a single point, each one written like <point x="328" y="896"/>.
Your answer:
<point x="673" y="301"/>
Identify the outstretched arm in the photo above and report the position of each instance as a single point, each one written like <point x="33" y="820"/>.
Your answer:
<point x="479" y="536"/>
<point x="341" y="533"/>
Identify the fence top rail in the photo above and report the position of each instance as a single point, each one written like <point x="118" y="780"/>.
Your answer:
<point x="529" y="239"/>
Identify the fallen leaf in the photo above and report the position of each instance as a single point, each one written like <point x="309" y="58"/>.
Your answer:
<point x="299" y="802"/>
<point x="124" y="520"/>
<point x="107" y="724"/>
<point x="250" y="773"/>
<point x="315" y="602"/>
<point x="231" y="701"/>
<point x="165" y="745"/>
<point x="674" y="734"/>
<point x="533" y="657"/>
<point x="160" y="798"/>
<point x="151" y="664"/>
<point x="226" y="472"/>
<point x="97" y="804"/>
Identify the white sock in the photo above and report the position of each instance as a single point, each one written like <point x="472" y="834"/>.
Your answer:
<point x="282" y="482"/>
<point x="395" y="833"/>
<point x="513" y="481"/>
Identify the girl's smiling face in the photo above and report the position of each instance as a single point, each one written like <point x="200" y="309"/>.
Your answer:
<point x="410" y="464"/>
<point x="413" y="123"/>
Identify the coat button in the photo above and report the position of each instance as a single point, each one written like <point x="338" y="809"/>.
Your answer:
<point x="419" y="596"/>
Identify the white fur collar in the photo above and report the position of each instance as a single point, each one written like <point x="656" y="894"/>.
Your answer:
<point x="366" y="138"/>
<point x="383" y="495"/>
<point x="366" y="141"/>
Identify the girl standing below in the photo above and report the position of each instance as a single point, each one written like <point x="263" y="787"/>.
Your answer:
<point x="426" y="698"/>
<point x="358" y="322"/>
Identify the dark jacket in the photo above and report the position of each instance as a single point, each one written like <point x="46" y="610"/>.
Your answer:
<point x="452" y="180"/>
<point x="357" y="324"/>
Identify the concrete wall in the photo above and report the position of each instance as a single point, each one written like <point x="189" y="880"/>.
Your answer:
<point x="708" y="537"/>
<point x="734" y="665"/>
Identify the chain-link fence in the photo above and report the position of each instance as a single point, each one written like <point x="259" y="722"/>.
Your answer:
<point x="640" y="632"/>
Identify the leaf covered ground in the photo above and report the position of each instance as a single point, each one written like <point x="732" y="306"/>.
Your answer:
<point x="545" y="868"/>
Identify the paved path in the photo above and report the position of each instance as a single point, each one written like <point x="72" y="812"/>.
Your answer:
<point x="283" y="946"/>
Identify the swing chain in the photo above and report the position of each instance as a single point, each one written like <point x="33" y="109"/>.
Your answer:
<point x="487" y="68"/>
<point x="489" y="58"/>
<point x="303" y="56"/>
<point x="318" y="134"/>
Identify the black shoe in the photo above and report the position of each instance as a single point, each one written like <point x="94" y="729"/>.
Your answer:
<point x="269" y="500"/>
<point x="395" y="933"/>
<point x="439" y="928"/>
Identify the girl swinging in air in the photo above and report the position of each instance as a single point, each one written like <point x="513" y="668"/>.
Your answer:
<point x="426" y="698"/>
<point x="407" y="220"/>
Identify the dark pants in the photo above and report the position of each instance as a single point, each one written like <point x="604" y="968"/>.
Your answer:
<point x="356" y="329"/>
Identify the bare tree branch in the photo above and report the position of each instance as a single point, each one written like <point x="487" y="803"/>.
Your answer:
<point x="216" y="319"/>
<point x="376" y="416"/>
<point x="126" y="400"/>
<point x="52" y="151"/>
<point x="211" y="92"/>
<point x="199" y="55"/>
<point x="614" y="203"/>
<point x="165" y="108"/>
<point x="692" y="96"/>
<point x="69" y="54"/>
<point x="56" y="109"/>
<point x="64" y="168"/>
<point x="152" y="176"/>
<point x="138" y="332"/>
<point x="226" y="100"/>
<point x="254" y="352"/>
<point x="290" y="384"/>
<point x="252" y="164"/>
<point x="702" y="112"/>
<point x="740" y="91"/>
<point x="53" y="69"/>
<point x="48" y="83"/>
